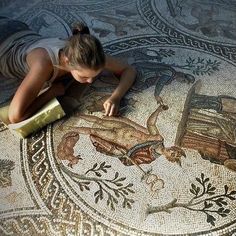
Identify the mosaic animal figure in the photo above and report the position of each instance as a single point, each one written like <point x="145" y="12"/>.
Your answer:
<point x="65" y="148"/>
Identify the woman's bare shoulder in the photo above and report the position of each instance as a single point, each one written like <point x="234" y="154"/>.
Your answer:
<point x="37" y="57"/>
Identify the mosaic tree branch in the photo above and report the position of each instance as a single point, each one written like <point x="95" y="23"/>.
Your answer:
<point x="114" y="188"/>
<point x="207" y="205"/>
<point x="200" y="66"/>
<point x="103" y="167"/>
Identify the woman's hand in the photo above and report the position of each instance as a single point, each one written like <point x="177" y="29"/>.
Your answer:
<point x="127" y="75"/>
<point x="111" y="106"/>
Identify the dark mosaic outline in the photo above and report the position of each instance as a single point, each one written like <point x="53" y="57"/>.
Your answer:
<point x="64" y="12"/>
<point x="227" y="53"/>
<point x="88" y="7"/>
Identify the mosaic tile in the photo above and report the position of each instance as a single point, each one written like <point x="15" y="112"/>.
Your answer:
<point x="167" y="165"/>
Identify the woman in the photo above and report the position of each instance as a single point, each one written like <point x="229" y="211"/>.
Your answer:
<point x="40" y="62"/>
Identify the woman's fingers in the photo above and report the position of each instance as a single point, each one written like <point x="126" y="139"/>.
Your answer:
<point x="112" y="110"/>
<point x="107" y="107"/>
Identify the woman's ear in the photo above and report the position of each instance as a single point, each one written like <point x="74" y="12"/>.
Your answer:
<point x="66" y="60"/>
<point x="67" y="63"/>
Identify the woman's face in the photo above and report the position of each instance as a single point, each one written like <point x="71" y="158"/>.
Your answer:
<point x="80" y="74"/>
<point x="84" y="75"/>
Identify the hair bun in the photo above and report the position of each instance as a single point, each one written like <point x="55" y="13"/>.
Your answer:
<point x="80" y="28"/>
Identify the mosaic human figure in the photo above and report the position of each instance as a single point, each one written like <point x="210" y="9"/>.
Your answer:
<point x="122" y="137"/>
<point x="161" y="74"/>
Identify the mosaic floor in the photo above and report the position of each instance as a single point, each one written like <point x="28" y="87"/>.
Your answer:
<point x="86" y="174"/>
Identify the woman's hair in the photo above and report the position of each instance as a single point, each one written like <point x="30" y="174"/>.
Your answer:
<point x="84" y="49"/>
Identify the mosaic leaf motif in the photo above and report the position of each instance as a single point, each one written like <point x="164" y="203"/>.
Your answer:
<point x="114" y="190"/>
<point x="205" y="200"/>
<point x="201" y="66"/>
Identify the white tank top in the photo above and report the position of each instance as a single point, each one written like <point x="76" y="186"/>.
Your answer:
<point x="13" y="54"/>
<point x="53" y="46"/>
<point x="13" y="65"/>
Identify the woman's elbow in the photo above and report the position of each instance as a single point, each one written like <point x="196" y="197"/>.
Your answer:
<point x="15" y="116"/>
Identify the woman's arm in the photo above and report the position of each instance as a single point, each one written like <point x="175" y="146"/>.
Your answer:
<point x="127" y="75"/>
<point x="26" y="100"/>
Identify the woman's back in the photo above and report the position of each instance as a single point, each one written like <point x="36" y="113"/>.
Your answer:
<point x="15" y="46"/>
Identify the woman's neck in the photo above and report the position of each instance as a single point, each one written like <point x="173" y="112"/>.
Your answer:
<point x="62" y="65"/>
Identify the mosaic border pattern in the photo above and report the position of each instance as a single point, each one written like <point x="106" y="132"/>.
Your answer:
<point x="146" y="11"/>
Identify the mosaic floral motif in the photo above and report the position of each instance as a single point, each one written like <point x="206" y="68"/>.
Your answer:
<point x="152" y="70"/>
<point x="148" y="57"/>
